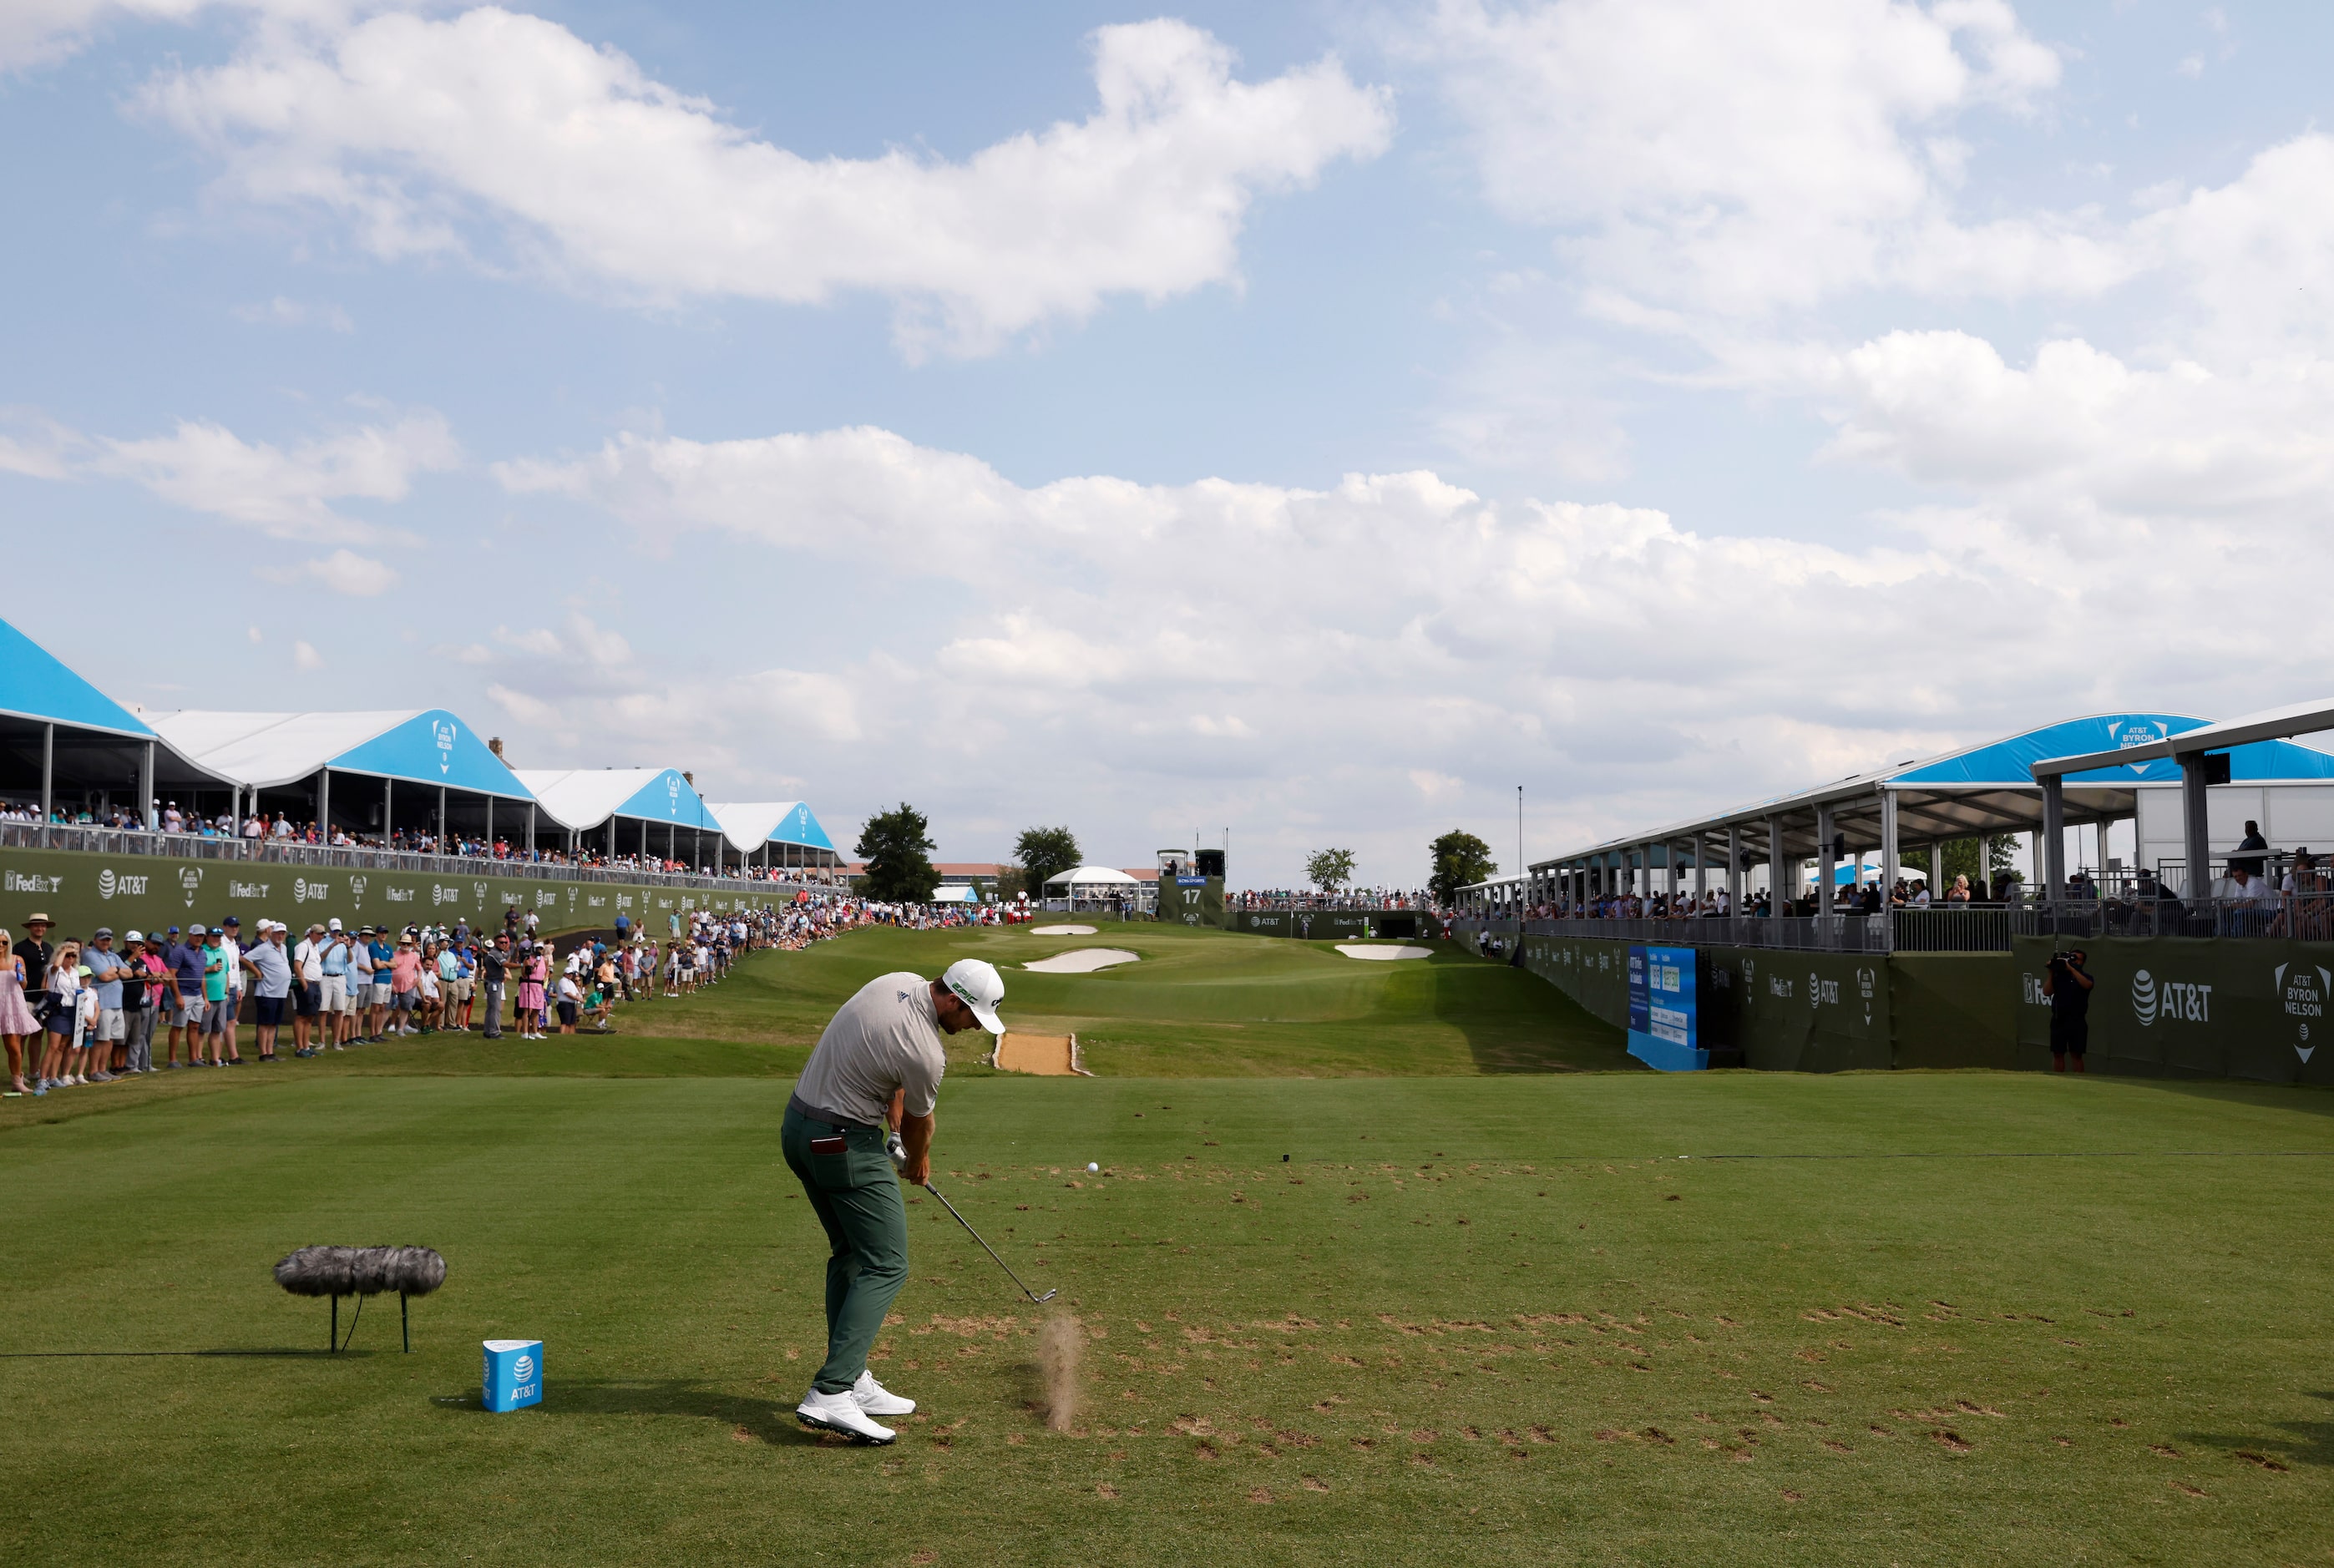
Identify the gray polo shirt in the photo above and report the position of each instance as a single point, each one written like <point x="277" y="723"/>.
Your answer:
<point x="886" y="1038"/>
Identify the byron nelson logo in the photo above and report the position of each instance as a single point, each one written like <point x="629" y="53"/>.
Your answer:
<point x="2303" y="989"/>
<point x="445" y="733"/>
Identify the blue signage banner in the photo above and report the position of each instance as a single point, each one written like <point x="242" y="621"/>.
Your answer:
<point x="1665" y="1025"/>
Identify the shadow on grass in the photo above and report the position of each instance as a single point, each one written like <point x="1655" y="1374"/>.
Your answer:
<point x="1515" y="1022"/>
<point x="2306" y="1443"/>
<point x="758" y="1420"/>
<point x="83" y="1355"/>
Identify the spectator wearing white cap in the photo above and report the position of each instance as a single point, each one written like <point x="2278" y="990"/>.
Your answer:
<point x="307" y="987"/>
<point x="271" y="970"/>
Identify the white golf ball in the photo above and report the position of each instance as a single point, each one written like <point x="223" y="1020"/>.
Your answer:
<point x="1092" y="1166"/>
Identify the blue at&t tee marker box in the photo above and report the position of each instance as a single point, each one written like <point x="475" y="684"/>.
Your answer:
<point x="514" y="1376"/>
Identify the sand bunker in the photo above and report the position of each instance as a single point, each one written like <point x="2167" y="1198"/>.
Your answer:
<point x="1082" y="961"/>
<point x="1355" y="950"/>
<point x="1061" y="930"/>
<point x="1047" y="1055"/>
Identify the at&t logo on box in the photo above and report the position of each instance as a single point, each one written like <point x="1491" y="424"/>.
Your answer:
<point x="514" y="1376"/>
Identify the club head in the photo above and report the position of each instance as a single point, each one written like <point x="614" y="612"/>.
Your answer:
<point x="1049" y="1296"/>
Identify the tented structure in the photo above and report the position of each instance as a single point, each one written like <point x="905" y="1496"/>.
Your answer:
<point x="1910" y="809"/>
<point x="776" y="833"/>
<point x="1098" y="887"/>
<point x="65" y="743"/>
<point x="653" y="812"/>
<point x="374" y="775"/>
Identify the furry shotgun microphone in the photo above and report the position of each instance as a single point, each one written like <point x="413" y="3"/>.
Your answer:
<point x="361" y="1272"/>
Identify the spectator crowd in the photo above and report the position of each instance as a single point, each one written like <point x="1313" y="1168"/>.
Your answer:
<point x="76" y="1012"/>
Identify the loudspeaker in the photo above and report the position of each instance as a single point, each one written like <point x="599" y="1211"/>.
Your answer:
<point x="1210" y="863"/>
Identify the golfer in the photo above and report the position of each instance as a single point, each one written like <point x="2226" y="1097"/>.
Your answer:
<point x="877" y="1067"/>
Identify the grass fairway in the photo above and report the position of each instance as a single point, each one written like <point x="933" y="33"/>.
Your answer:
<point x="1946" y="1317"/>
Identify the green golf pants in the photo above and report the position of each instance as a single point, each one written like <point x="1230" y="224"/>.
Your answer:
<point x="857" y="1197"/>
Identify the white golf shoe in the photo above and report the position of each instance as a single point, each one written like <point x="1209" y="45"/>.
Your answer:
<point x="841" y="1413"/>
<point x="878" y="1400"/>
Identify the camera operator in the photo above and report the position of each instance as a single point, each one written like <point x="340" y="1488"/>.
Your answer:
<point x="2069" y="990"/>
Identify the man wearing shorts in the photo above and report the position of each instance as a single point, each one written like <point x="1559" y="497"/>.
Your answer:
<point x="271" y="970"/>
<point x="404" y="985"/>
<point x="878" y="1065"/>
<point x="307" y="987"/>
<point x="332" y="999"/>
<point x="111" y="1033"/>
<point x="384" y="982"/>
<point x="185" y="961"/>
<point x="2069" y="987"/>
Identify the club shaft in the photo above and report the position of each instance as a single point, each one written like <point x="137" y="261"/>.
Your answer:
<point x="991" y="1251"/>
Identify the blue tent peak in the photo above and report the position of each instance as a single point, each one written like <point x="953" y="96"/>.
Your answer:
<point x="34" y="683"/>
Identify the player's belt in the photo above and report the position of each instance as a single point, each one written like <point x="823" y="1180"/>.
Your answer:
<point x="801" y="1107"/>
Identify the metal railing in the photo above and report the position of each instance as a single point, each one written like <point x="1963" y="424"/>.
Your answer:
<point x="276" y="852"/>
<point x="1803" y="933"/>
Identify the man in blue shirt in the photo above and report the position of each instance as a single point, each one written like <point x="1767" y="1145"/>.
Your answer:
<point x="185" y="961"/>
<point x="383" y="957"/>
<point x="112" y="1034"/>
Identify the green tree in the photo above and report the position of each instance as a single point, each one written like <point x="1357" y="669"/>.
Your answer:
<point x="1330" y="870"/>
<point x="1042" y="854"/>
<point x="1460" y="859"/>
<point x="1961" y="861"/>
<point x="897" y="849"/>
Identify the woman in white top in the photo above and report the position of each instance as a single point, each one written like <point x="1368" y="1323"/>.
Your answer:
<point x="64" y="983"/>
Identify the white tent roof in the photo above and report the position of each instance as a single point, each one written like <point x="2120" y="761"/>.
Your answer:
<point x="585" y="797"/>
<point x="1092" y="874"/>
<point x="747" y="825"/>
<point x="265" y="750"/>
<point x="268" y="749"/>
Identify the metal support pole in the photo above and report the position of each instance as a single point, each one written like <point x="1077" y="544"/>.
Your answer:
<point x="1825" y="869"/>
<point x="1778" y="888"/>
<point x="2196" y="826"/>
<point x="530" y="830"/>
<point x="441" y="819"/>
<point x="1887" y="845"/>
<point x="387" y="800"/>
<point x="324" y="805"/>
<point x="1733" y="869"/>
<point x="2054" y="838"/>
<point x="146" y="817"/>
<point x="48" y="775"/>
<point x="1936" y="871"/>
<point x="490" y="827"/>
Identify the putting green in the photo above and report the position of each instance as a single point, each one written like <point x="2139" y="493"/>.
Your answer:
<point x="1946" y="1317"/>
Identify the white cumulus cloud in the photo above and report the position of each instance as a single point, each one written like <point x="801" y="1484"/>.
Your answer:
<point x="443" y="136"/>
<point x="287" y="493"/>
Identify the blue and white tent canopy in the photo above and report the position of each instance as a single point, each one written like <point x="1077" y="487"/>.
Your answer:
<point x="265" y="750"/>
<point x="587" y="798"/>
<point x="36" y="685"/>
<point x="1975" y="790"/>
<point x="750" y="824"/>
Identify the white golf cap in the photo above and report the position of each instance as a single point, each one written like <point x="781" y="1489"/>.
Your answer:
<point x="978" y="985"/>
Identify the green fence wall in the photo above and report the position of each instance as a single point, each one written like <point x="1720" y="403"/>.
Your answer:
<point x="2163" y="1006"/>
<point x="1779" y="1011"/>
<point x="82" y="892"/>
<point x="2190" y="1007"/>
<point x="1327" y="924"/>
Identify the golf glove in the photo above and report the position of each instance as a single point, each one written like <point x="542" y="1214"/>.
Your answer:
<point x="896" y="1149"/>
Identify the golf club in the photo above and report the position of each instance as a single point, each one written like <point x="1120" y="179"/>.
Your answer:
<point x="899" y="1158"/>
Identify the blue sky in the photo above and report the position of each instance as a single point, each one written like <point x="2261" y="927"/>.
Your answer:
<point x="1367" y="410"/>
